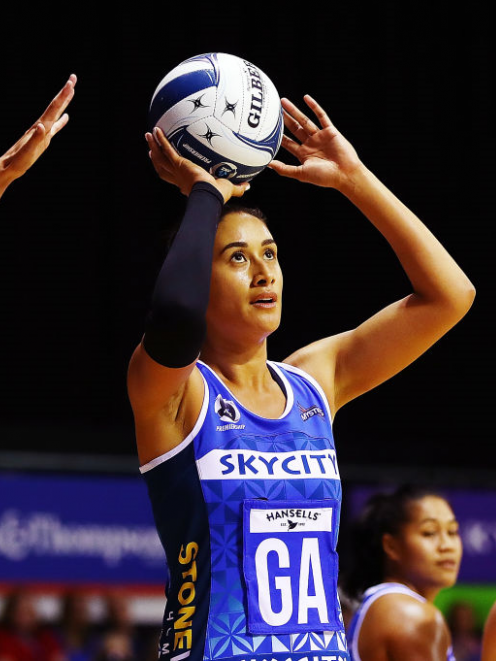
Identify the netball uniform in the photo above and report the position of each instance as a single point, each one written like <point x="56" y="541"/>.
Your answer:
<point x="247" y="509"/>
<point x="371" y="595"/>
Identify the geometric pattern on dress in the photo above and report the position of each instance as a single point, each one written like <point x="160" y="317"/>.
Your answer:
<point x="226" y="631"/>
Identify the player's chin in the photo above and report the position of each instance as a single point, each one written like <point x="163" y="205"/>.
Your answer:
<point x="260" y="329"/>
<point x="268" y="318"/>
<point x="446" y="576"/>
<point x="448" y="582"/>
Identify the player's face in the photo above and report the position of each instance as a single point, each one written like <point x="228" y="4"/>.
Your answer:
<point x="429" y="547"/>
<point x="246" y="284"/>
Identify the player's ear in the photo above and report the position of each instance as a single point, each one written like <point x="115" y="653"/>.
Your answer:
<point x="390" y="547"/>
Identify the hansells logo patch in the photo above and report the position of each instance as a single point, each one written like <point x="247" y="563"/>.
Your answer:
<point x="291" y="520"/>
<point x="305" y="414"/>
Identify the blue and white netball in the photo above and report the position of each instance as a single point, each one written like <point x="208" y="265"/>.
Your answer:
<point x="221" y="112"/>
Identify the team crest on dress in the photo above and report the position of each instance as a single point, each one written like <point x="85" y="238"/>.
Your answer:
<point x="226" y="409"/>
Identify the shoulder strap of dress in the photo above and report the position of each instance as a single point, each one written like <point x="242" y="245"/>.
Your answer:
<point x="299" y="372"/>
<point x="207" y="372"/>
<point x="391" y="588"/>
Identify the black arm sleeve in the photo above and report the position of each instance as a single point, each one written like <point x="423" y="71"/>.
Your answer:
<point x="175" y="326"/>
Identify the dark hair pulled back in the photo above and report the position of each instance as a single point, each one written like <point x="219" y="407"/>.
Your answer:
<point x="233" y="206"/>
<point x="383" y="513"/>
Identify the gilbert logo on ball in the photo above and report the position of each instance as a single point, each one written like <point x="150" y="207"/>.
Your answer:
<point x="221" y="112"/>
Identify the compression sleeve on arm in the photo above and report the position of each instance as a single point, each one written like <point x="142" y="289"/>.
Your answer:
<point x="176" y="327"/>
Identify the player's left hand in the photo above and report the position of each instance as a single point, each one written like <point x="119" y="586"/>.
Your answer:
<point x="21" y="156"/>
<point x="326" y="157"/>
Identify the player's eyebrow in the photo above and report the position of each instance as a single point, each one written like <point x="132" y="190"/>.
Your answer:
<point x="234" y="244"/>
<point x="243" y="244"/>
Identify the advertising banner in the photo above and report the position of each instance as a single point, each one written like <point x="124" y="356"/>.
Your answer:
<point x="100" y="530"/>
<point x="59" y="529"/>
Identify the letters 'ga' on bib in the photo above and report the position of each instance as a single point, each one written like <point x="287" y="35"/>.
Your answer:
<point x="290" y="565"/>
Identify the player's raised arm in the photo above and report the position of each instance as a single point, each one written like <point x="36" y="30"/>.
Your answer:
<point x="356" y="361"/>
<point x="21" y="156"/>
<point x="175" y="328"/>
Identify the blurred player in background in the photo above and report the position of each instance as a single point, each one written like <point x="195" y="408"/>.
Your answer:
<point x="23" y="636"/>
<point x="405" y="548"/>
<point x="465" y="634"/>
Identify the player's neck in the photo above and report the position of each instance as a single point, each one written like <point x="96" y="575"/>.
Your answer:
<point x="243" y="366"/>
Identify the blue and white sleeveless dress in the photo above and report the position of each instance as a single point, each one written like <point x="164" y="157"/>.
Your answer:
<point x="247" y="509"/>
<point x="371" y="595"/>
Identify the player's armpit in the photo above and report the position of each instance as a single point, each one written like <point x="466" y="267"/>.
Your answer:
<point x="151" y="386"/>
<point x="166" y="403"/>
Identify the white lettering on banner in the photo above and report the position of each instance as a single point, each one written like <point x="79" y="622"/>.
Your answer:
<point x="248" y="465"/>
<point x="44" y="534"/>
<point x="309" y="561"/>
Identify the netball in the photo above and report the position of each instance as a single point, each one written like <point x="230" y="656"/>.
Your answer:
<point x="222" y="112"/>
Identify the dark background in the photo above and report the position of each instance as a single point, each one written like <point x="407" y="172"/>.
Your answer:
<point x="80" y="244"/>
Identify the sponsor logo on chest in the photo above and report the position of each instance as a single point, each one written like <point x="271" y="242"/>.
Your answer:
<point x="249" y="465"/>
<point x="307" y="413"/>
<point x="291" y="519"/>
<point x="227" y="412"/>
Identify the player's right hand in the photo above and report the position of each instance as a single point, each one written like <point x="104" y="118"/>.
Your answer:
<point x="182" y="172"/>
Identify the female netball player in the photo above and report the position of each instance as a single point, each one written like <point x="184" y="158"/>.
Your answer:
<point x="237" y="451"/>
<point x="405" y="549"/>
<point x="21" y="156"/>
